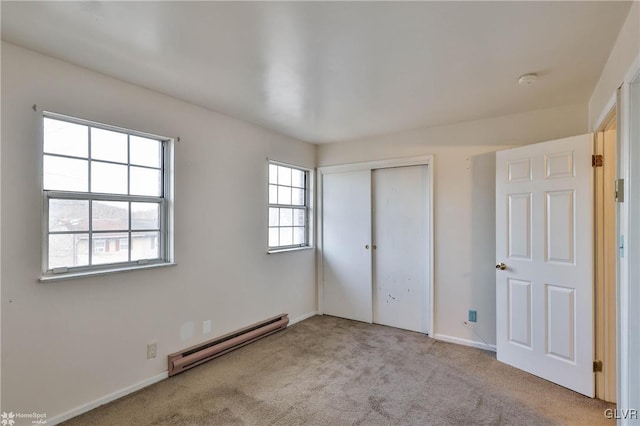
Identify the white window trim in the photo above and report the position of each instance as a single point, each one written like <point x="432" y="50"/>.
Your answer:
<point x="309" y="229"/>
<point x="167" y="221"/>
<point x="96" y="273"/>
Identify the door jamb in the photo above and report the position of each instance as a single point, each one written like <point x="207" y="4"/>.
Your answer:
<point x="602" y="296"/>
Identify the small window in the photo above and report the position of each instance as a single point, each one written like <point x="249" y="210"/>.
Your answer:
<point x="288" y="207"/>
<point x="105" y="196"/>
<point x="99" y="246"/>
<point x="123" y="244"/>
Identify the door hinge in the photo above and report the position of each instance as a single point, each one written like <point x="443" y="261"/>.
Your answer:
<point x="596" y="160"/>
<point x="620" y="190"/>
<point x="597" y="366"/>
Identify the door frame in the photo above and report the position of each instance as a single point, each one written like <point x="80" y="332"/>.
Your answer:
<point x="628" y="346"/>
<point x="605" y="233"/>
<point x="425" y="160"/>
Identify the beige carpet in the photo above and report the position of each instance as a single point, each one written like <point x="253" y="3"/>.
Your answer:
<point x="331" y="371"/>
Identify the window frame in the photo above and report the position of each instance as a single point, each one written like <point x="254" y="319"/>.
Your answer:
<point x="164" y="201"/>
<point x="306" y="208"/>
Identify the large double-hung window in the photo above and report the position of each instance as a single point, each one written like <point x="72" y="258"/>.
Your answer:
<point x="105" y="195"/>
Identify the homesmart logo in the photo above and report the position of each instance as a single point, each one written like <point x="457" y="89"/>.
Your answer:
<point x="11" y="418"/>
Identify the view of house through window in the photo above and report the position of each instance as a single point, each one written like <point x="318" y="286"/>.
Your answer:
<point x="104" y="196"/>
<point x="288" y="208"/>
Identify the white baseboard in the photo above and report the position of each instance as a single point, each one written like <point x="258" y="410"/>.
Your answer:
<point x="465" y="342"/>
<point x="106" y="399"/>
<point x="303" y="317"/>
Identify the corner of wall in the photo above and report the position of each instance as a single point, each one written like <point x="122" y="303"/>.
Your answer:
<point x="624" y="51"/>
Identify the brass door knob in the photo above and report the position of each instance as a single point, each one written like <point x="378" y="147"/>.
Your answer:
<point x="501" y="266"/>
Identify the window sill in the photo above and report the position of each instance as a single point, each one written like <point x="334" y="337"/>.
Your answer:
<point x="289" y="249"/>
<point x="86" y="274"/>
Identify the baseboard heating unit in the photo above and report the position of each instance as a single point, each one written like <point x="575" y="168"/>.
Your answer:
<point x="198" y="354"/>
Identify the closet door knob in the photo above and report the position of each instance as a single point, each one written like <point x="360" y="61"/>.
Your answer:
<point x="367" y="247"/>
<point x="501" y="266"/>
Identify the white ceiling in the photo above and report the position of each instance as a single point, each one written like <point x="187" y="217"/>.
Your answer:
<point x="333" y="71"/>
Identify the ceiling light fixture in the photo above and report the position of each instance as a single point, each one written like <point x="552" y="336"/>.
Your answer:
<point x="527" y="79"/>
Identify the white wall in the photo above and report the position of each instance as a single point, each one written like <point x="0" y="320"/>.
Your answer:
<point x="622" y="55"/>
<point x="464" y="201"/>
<point x="68" y="343"/>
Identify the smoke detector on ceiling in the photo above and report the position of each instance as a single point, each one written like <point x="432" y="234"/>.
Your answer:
<point x="527" y="79"/>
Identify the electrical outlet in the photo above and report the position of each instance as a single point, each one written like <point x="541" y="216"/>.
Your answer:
<point x="152" y="350"/>
<point x="473" y="316"/>
<point x="206" y="327"/>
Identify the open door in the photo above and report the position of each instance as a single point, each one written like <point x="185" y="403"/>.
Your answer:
<point x="544" y="250"/>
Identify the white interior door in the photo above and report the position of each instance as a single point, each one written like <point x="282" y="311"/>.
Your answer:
<point x="400" y="250"/>
<point x="544" y="237"/>
<point x="346" y="240"/>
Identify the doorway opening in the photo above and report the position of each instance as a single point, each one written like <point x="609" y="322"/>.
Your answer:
<point x="606" y="257"/>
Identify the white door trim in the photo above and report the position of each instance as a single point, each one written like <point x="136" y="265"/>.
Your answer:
<point x="628" y="391"/>
<point x="378" y="164"/>
<point x="606" y="261"/>
<point x="372" y="165"/>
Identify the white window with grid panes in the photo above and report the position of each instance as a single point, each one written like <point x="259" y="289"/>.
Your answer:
<point x="288" y="207"/>
<point x="105" y="196"/>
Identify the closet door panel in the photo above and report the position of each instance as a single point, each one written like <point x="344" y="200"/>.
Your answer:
<point x="346" y="236"/>
<point x="401" y="243"/>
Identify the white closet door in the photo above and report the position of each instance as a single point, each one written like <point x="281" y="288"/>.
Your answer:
<point x="346" y="234"/>
<point x="401" y="243"/>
